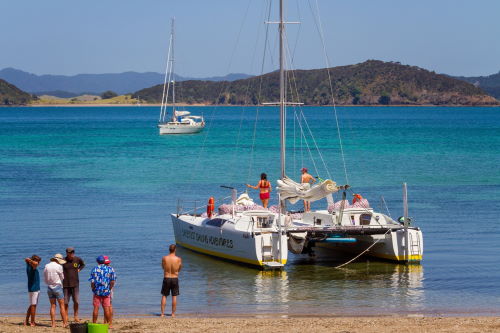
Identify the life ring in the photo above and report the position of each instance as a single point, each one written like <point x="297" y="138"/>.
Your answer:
<point x="210" y="207"/>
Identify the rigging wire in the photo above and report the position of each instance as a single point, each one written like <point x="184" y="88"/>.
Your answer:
<point x="223" y="87"/>
<point x="319" y="28"/>
<point x="295" y="89"/>
<point x="259" y="96"/>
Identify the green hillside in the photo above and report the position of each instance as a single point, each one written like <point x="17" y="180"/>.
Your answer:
<point x="369" y="83"/>
<point x="11" y="95"/>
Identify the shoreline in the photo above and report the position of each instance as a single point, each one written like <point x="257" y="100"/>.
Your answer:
<point x="309" y="323"/>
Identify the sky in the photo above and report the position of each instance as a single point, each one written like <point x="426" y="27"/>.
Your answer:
<point x="217" y="37"/>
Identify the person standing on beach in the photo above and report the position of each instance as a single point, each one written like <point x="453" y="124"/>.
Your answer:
<point x="71" y="283"/>
<point x="264" y="186"/>
<point x="53" y="275"/>
<point x="307" y="180"/>
<point x="107" y="262"/>
<point x="102" y="280"/>
<point x="171" y="265"/>
<point x="33" y="288"/>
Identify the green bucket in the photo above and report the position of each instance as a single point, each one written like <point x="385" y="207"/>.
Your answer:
<point x="97" y="328"/>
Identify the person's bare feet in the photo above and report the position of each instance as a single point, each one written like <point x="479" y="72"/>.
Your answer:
<point x="33" y="324"/>
<point x="162" y="315"/>
<point x="77" y="320"/>
<point x="173" y="315"/>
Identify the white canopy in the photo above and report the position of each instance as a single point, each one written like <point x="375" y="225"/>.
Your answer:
<point x="294" y="192"/>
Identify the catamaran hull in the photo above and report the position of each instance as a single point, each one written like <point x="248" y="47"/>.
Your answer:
<point x="179" y="129"/>
<point x="226" y="243"/>
<point x="389" y="247"/>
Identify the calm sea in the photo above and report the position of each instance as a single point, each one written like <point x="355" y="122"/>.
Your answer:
<point x="103" y="180"/>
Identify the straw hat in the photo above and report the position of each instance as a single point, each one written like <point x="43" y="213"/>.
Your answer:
<point x="59" y="258"/>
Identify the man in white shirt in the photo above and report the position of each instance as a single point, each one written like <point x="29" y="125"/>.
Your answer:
<point x="54" y="276"/>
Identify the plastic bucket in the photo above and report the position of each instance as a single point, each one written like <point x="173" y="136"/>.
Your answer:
<point x="97" y="328"/>
<point x="78" y="328"/>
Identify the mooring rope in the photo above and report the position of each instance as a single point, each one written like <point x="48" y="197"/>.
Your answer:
<point x="359" y="255"/>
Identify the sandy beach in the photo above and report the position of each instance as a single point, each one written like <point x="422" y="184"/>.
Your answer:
<point x="277" y="324"/>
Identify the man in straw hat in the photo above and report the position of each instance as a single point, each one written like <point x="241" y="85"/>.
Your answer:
<point x="54" y="276"/>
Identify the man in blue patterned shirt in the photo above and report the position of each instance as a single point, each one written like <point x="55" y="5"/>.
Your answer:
<point x="102" y="280"/>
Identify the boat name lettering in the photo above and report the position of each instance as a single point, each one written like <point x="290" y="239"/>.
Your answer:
<point x="200" y="238"/>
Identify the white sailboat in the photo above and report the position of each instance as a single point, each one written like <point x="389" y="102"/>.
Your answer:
<point x="181" y="121"/>
<point x="263" y="237"/>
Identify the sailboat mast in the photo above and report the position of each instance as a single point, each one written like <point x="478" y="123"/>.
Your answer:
<point x="172" y="69"/>
<point x="282" y="92"/>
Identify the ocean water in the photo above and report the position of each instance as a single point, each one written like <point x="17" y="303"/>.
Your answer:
<point x="102" y="180"/>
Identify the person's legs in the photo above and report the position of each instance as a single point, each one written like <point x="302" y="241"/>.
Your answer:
<point x="95" y="312"/>
<point x="174" y="305"/>
<point x="33" y="314"/>
<point x="53" y="311"/>
<point x="64" y="314"/>
<point x="76" y="302"/>
<point x="265" y="202"/>
<point x="107" y="316"/>
<point x="163" y="302"/>
<point x="28" y="315"/>
<point x="67" y="296"/>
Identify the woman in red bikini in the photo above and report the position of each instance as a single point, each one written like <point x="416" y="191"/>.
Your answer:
<point x="265" y="189"/>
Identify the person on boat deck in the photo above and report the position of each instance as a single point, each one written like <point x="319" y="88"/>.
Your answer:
<point x="356" y="197"/>
<point x="265" y="189"/>
<point x="307" y="180"/>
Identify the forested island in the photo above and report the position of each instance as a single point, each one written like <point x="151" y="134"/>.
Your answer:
<point x="372" y="82"/>
<point x="11" y="95"/>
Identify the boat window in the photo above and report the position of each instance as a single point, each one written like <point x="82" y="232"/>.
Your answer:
<point x="264" y="221"/>
<point x="216" y="222"/>
<point x="364" y="219"/>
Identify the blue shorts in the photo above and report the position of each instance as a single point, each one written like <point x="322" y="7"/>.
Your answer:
<point x="55" y="293"/>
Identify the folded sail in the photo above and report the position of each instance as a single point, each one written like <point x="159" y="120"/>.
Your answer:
<point x="293" y="192"/>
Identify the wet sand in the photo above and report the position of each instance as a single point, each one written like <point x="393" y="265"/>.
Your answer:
<point x="277" y="324"/>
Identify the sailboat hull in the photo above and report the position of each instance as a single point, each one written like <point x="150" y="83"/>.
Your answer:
<point x="227" y="242"/>
<point x="179" y="128"/>
<point x="388" y="247"/>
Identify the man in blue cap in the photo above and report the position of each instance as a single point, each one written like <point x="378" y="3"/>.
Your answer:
<point x="102" y="280"/>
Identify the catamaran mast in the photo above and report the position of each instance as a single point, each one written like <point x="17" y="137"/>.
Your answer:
<point x="172" y="70"/>
<point x="282" y="92"/>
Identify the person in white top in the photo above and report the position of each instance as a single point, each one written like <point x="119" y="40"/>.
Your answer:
<point x="54" y="276"/>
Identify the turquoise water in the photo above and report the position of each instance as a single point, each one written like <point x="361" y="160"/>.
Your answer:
<point x="102" y="180"/>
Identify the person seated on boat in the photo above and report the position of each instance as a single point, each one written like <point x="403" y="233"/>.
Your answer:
<point x="356" y="198"/>
<point x="265" y="189"/>
<point x="307" y="180"/>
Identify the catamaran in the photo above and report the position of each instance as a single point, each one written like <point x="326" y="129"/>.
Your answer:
<point x="181" y="121"/>
<point x="263" y="237"/>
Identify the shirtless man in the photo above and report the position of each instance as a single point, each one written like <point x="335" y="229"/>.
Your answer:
<point x="171" y="264"/>
<point x="307" y="180"/>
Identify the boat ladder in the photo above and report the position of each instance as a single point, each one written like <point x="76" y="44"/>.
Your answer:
<point x="414" y="248"/>
<point x="268" y="260"/>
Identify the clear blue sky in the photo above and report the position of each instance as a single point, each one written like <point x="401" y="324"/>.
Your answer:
<point x="216" y="37"/>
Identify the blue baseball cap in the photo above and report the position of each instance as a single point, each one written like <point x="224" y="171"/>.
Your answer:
<point x="100" y="259"/>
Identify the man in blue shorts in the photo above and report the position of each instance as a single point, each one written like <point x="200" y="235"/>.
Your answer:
<point x="54" y="276"/>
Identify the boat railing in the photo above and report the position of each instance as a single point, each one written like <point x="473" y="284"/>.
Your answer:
<point x="197" y="207"/>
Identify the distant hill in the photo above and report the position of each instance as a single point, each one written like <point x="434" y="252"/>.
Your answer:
<point x="12" y="95"/>
<point x="64" y="86"/>
<point x="369" y="83"/>
<point x="490" y="84"/>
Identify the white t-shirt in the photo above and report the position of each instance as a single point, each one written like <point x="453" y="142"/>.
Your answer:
<point x="53" y="274"/>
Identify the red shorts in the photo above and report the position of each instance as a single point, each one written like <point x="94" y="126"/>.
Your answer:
<point x="264" y="196"/>
<point x="104" y="300"/>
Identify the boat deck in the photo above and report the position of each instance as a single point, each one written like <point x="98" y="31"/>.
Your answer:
<point x="347" y="230"/>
